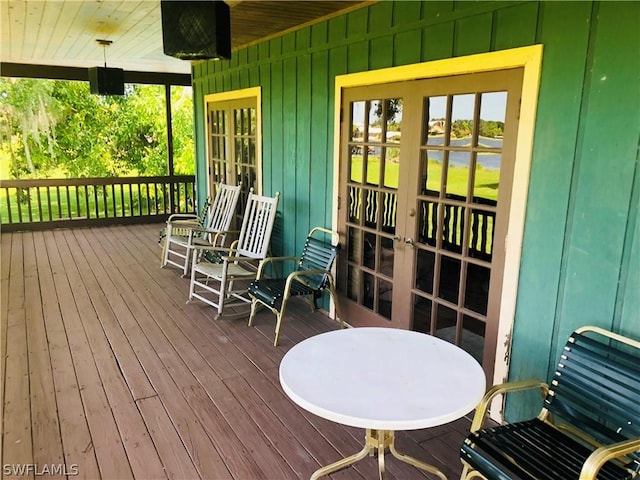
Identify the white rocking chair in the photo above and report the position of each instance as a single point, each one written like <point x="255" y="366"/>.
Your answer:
<point x="213" y="283"/>
<point x="184" y="235"/>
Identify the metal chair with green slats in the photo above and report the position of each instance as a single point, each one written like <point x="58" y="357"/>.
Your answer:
<point x="588" y="428"/>
<point x="311" y="277"/>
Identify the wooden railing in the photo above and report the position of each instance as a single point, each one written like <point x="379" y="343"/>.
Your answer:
<point x="481" y="227"/>
<point x="56" y="203"/>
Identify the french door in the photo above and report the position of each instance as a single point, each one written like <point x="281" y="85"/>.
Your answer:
<point x="232" y="145"/>
<point x="426" y="174"/>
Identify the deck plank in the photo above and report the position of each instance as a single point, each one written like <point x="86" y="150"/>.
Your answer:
<point x="5" y="262"/>
<point x="177" y="461"/>
<point x="45" y="429"/>
<point x="17" y="447"/>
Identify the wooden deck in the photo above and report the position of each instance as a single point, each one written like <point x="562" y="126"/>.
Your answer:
<point x="108" y="372"/>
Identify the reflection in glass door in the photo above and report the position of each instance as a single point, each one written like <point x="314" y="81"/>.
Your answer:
<point x="426" y="173"/>
<point x="372" y="184"/>
<point x="461" y="156"/>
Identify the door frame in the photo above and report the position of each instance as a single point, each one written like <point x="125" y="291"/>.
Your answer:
<point x="530" y="59"/>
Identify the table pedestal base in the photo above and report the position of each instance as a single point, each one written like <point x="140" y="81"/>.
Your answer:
<point x="380" y="440"/>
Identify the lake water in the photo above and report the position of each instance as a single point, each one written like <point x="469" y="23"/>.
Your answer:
<point x="461" y="159"/>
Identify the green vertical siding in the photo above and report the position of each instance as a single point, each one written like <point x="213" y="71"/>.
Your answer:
<point x="580" y="257"/>
<point x="565" y="36"/>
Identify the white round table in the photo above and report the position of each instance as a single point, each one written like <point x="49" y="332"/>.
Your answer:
<point x="383" y="380"/>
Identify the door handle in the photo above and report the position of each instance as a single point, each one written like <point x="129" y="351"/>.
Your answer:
<point x="409" y="241"/>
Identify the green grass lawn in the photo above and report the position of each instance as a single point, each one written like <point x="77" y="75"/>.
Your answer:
<point x="486" y="180"/>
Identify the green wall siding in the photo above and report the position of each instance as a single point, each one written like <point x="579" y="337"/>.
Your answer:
<point x="581" y="250"/>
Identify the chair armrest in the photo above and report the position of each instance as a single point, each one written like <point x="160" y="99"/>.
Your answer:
<point x="602" y="455"/>
<point x="215" y="242"/>
<point x="503" y="388"/>
<point x="269" y="260"/>
<point x="302" y="273"/>
<point x="177" y="217"/>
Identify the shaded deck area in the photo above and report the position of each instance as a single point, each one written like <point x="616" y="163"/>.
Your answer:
<point x="107" y="371"/>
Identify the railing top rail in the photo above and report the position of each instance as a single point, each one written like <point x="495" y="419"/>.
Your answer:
<point x="53" y="182"/>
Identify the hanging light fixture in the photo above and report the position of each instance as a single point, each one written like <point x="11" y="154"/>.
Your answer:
<point x="104" y="80"/>
<point x="196" y="30"/>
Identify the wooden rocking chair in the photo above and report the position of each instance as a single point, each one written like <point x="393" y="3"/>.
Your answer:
<point x="183" y="235"/>
<point x="213" y="283"/>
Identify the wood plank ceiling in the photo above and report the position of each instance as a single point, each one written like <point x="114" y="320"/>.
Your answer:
<point x="64" y="33"/>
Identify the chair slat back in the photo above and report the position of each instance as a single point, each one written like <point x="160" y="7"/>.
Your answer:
<point x="317" y="255"/>
<point x="223" y="207"/>
<point x="596" y="386"/>
<point x="257" y="225"/>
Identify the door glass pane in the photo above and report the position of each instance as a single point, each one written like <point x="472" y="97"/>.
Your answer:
<point x="476" y="293"/>
<point x="435" y="109"/>
<point x="355" y="164"/>
<point x="493" y="106"/>
<point x="431" y="172"/>
<point x="357" y="121"/>
<point x="393" y="120"/>
<point x="353" y="283"/>
<point x="386" y="256"/>
<point x="373" y="165"/>
<point x="462" y="119"/>
<point x="368" y="289"/>
<point x="449" y="279"/>
<point x="354" y="245"/>
<point x="389" y="212"/>
<point x="446" y="319"/>
<point x="427" y="222"/>
<point x="487" y="178"/>
<point x="424" y="270"/>
<point x="385" y="293"/>
<point x="473" y="333"/>
<point x="355" y="204"/>
<point x="421" y="314"/>
<point x="481" y="234"/>
<point x="369" y="257"/>
<point x="376" y="112"/>
<point x="391" y="166"/>
<point x="453" y="228"/>
<point x="458" y="174"/>
<point x="371" y="208"/>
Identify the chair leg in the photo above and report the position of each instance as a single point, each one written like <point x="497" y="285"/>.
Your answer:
<point x="280" y="315"/>
<point x="165" y="252"/>
<point x="223" y="291"/>
<point x="254" y="307"/>
<point x="334" y="297"/>
<point x="187" y="261"/>
<point x="164" y="248"/>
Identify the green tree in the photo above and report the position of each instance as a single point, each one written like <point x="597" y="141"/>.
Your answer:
<point x="51" y="127"/>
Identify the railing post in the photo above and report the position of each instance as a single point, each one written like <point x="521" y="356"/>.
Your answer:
<point x="167" y="96"/>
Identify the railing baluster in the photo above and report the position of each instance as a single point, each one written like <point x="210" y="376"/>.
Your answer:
<point x="86" y="201"/>
<point x="113" y="199"/>
<point x="68" y="201"/>
<point x="78" y="202"/>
